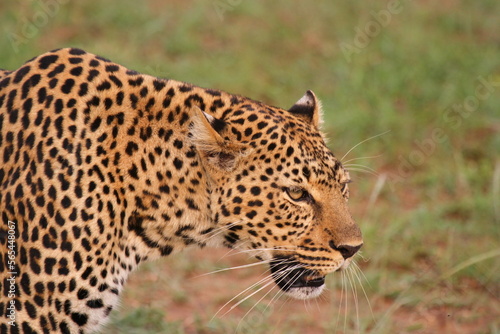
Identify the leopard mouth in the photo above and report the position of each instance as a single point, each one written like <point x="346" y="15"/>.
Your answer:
<point x="295" y="280"/>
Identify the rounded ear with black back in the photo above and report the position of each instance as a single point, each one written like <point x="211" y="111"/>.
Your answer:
<point x="205" y="136"/>
<point x="308" y="107"/>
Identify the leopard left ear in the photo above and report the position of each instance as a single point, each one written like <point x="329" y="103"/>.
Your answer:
<point x="308" y="107"/>
<point x="214" y="150"/>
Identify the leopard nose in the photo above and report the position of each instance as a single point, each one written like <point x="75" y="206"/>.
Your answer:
<point x="347" y="251"/>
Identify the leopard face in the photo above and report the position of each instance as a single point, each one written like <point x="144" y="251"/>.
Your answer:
<point x="280" y="192"/>
<point x="103" y="168"/>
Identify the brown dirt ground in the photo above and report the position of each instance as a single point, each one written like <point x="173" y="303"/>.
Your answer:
<point x="193" y="300"/>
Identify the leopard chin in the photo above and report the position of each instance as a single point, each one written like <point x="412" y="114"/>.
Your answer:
<point x="305" y="292"/>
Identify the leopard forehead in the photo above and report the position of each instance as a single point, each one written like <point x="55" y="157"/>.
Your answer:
<point x="103" y="168"/>
<point x="281" y="140"/>
<point x="296" y="151"/>
<point x="285" y="144"/>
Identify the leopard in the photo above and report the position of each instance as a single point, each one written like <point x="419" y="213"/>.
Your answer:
<point x="104" y="168"/>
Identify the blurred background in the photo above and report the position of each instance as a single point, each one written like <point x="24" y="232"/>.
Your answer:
<point x="411" y="96"/>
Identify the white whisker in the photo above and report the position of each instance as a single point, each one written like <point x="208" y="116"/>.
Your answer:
<point x="356" y="271"/>
<point x="280" y="248"/>
<point x="267" y="278"/>
<point x="347" y="166"/>
<point x="317" y="304"/>
<point x="277" y="295"/>
<point x="233" y="268"/>
<point x="283" y="274"/>
<point x="222" y="229"/>
<point x="232" y="250"/>
<point x="304" y="301"/>
<point x="355" y="296"/>
<point x="360" y="170"/>
<point x="341" y="297"/>
<point x="344" y="283"/>
<point x="373" y="137"/>
<point x="355" y="264"/>
<point x="250" y="295"/>
<point x="353" y="159"/>
<point x="257" y="303"/>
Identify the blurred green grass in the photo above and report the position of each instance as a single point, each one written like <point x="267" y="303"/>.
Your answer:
<point x="425" y="211"/>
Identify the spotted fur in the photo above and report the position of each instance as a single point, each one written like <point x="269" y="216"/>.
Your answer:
<point x="103" y="168"/>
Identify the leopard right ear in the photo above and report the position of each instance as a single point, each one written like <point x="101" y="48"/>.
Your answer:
<point x="308" y="107"/>
<point x="205" y="135"/>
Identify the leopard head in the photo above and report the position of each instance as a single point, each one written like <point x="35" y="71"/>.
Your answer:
<point x="277" y="190"/>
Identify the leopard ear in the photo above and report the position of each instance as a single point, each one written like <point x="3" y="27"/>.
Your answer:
<point x="205" y="135"/>
<point x="309" y="109"/>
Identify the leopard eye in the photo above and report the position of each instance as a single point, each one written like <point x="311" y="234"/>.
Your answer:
<point x="297" y="194"/>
